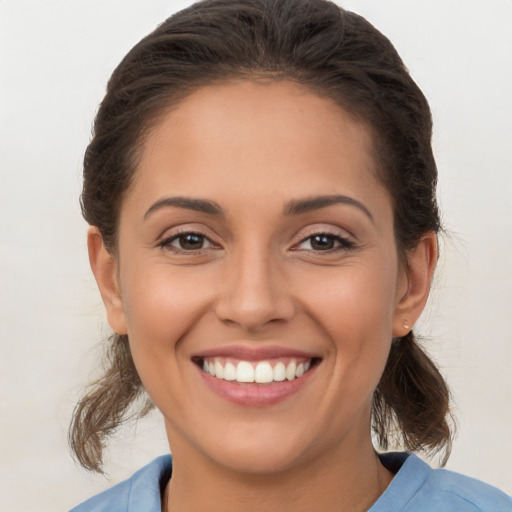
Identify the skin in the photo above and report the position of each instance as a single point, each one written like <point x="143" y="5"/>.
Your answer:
<point x="259" y="279"/>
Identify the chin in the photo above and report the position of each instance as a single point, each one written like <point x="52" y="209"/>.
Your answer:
<point x="246" y="447"/>
<point x="259" y="460"/>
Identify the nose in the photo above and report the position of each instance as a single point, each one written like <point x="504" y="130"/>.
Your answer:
<point x="254" y="292"/>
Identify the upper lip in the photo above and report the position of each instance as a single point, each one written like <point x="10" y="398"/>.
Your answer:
<point x="245" y="353"/>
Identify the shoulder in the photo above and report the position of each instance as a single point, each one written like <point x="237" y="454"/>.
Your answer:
<point x="457" y="488"/>
<point x="140" y="493"/>
<point x="417" y="487"/>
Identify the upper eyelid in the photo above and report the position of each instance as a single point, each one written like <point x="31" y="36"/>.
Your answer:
<point x="166" y="243"/>
<point x="180" y="229"/>
<point x="308" y="232"/>
<point x="179" y="234"/>
<point x="172" y="232"/>
<point x="344" y="238"/>
<point x="323" y="232"/>
<point x="340" y="238"/>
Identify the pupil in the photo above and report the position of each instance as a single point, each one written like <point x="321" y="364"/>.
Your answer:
<point x="322" y="242"/>
<point x="191" y="241"/>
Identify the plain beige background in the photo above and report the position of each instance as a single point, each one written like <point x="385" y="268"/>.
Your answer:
<point x="55" y="59"/>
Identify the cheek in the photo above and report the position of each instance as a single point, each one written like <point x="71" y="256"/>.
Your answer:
<point x="159" y="313"/>
<point x="355" y="307"/>
<point x="161" y="306"/>
<point x="358" y="299"/>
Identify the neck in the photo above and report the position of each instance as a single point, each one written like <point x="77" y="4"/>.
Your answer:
<point x="342" y="481"/>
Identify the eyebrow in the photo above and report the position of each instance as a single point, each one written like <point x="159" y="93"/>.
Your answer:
<point x="294" y="207"/>
<point x="187" y="203"/>
<point x="309" y="204"/>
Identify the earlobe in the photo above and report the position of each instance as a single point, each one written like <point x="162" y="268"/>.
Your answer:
<point x="421" y="263"/>
<point x="104" y="268"/>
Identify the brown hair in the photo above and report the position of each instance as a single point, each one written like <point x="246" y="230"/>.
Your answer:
<point x="337" y="54"/>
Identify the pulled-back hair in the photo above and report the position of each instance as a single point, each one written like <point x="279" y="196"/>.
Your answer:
<point x="335" y="53"/>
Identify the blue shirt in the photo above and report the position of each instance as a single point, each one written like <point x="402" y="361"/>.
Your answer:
<point x="416" y="487"/>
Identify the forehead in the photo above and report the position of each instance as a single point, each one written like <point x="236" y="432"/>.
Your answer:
<point x="277" y="108"/>
<point x="257" y="137"/>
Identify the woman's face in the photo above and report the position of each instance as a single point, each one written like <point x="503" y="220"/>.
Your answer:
<point x="255" y="243"/>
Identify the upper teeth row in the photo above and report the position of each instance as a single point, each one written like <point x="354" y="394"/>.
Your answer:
<point x="262" y="373"/>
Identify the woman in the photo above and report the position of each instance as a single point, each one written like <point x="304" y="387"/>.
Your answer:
<point x="261" y="193"/>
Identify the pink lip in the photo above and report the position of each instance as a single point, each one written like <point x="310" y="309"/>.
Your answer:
<point x="254" y="394"/>
<point x="254" y="354"/>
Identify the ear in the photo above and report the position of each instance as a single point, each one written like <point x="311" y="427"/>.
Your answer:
<point x="104" y="268"/>
<point x="418" y="274"/>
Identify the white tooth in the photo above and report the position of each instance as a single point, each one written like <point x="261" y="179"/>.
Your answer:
<point x="219" y="370"/>
<point x="300" y="370"/>
<point x="290" y="370"/>
<point x="263" y="373"/>
<point x="244" y="372"/>
<point x="211" y="368"/>
<point x="279" y="372"/>
<point x="229" y="371"/>
<point x="205" y="366"/>
<point x="307" y="366"/>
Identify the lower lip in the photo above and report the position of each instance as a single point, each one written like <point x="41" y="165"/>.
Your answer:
<point x="255" y="395"/>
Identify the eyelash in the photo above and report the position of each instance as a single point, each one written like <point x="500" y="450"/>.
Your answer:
<point x="167" y="242"/>
<point x="343" y="243"/>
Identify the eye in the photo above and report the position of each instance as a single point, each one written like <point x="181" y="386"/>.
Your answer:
<point x="187" y="242"/>
<point x="324" y="242"/>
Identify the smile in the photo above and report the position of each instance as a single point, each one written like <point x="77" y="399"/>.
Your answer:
<point x="256" y="377"/>
<point x="259" y="372"/>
